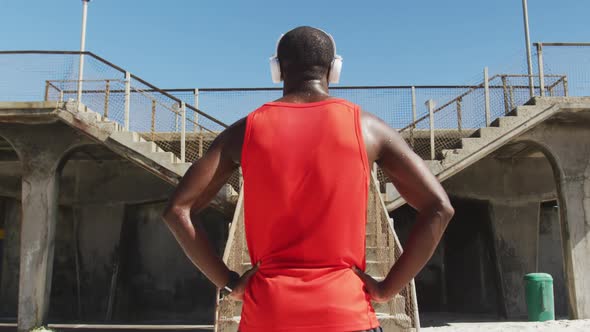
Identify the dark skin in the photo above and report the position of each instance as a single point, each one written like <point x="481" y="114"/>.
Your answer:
<point x="383" y="144"/>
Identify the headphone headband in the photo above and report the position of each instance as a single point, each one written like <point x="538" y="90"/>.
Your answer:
<point x="335" y="67"/>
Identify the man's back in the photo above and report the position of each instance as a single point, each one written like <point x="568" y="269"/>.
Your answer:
<point x="306" y="169"/>
<point x="305" y="193"/>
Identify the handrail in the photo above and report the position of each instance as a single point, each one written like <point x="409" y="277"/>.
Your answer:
<point x="123" y="71"/>
<point x="562" y="44"/>
<point x="458" y="98"/>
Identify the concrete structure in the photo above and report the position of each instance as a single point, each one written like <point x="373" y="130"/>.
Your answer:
<point x="516" y="193"/>
<point x="103" y="191"/>
<point x="91" y="247"/>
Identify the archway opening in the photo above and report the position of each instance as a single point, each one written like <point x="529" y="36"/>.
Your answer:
<point x="507" y="224"/>
<point x="115" y="260"/>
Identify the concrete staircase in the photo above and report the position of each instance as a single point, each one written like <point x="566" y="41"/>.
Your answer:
<point x="132" y="146"/>
<point x="481" y="143"/>
<point x="159" y="162"/>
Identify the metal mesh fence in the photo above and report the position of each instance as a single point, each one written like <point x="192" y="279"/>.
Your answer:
<point x="381" y="235"/>
<point x="567" y="59"/>
<point x="108" y="90"/>
<point x="462" y="115"/>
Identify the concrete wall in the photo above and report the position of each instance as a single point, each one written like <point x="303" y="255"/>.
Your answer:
<point x="109" y="220"/>
<point x="562" y="140"/>
<point x="551" y="254"/>
<point x="460" y="277"/>
<point x="493" y="240"/>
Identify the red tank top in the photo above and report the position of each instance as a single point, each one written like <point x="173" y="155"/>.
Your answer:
<point x="305" y="197"/>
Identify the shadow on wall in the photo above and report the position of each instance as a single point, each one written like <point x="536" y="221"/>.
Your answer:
<point x="461" y="277"/>
<point x="10" y="215"/>
<point x="130" y="268"/>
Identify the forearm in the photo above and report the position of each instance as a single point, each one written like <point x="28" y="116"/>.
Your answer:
<point x="197" y="247"/>
<point x="419" y="247"/>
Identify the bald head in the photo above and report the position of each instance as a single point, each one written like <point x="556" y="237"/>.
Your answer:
<point x="305" y="53"/>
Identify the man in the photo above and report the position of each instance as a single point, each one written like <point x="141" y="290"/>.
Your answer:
<point x="306" y="161"/>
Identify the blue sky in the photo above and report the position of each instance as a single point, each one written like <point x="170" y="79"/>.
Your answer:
<point x="190" y="43"/>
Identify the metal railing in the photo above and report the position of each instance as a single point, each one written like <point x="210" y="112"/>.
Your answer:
<point x="571" y="59"/>
<point x="103" y="100"/>
<point x="173" y="124"/>
<point x="159" y="114"/>
<point x="463" y="109"/>
<point x="496" y="96"/>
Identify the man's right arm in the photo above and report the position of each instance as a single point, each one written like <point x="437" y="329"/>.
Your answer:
<point x="421" y="190"/>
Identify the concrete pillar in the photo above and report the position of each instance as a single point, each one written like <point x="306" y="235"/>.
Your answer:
<point x="575" y="211"/>
<point x="39" y="209"/>
<point x="41" y="149"/>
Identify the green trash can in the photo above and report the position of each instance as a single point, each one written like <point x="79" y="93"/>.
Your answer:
<point x="539" y="297"/>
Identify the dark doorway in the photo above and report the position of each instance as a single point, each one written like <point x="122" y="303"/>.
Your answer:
<point x="462" y="276"/>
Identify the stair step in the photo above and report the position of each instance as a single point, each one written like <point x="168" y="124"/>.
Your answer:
<point x="471" y="143"/>
<point x="395" y="323"/>
<point x="228" y="324"/>
<point x="488" y="132"/>
<point x="127" y="137"/>
<point x="89" y="116"/>
<point x="180" y="168"/>
<point x="145" y="147"/>
<point x="434" y="165"/>
<point x="109" y="126"/>
<point x="448" y="153"/>
<point x="374" y="253"/>
<point x="508" y="121"/>
<point x="376" y="268"/>
<point x="163" y="157"/>
<point x="527" y="110"/>
<point x="396" y="305"/>
<point x="371" y="240"/>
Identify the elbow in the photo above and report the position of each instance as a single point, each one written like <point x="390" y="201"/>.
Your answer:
<point x="173" y="214"/>
<point x="446" y="211"/>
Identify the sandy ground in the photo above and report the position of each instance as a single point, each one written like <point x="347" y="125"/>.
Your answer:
<point x="549" y="326"/>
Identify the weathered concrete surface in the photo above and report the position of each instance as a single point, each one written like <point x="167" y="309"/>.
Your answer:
<point x="40" y="152"/>
<point x="516" y="229"/>
<point x="11" y="213"/>
<point x="551" y="254"/>
<point x="92" y="182"/>
<point x="514" y="189"/>
<point x="564" y="141"/>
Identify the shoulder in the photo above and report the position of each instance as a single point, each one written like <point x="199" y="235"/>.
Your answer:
<point x="372" y="125"/>
<point x="379" y="137"/>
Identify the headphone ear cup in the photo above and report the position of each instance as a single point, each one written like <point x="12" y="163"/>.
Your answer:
<point x="275" y="70"/>
<point x="335" y="70"/>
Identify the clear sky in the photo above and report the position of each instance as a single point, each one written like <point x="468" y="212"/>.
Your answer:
<point x="194" y="43"/>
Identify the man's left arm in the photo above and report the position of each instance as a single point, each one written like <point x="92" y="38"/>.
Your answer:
<point x="195" y="191"/>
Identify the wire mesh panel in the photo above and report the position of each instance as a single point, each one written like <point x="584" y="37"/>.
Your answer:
<point x="566" y="59"/>
<point x="23" y="75"/>
<point x="110" y="91"/>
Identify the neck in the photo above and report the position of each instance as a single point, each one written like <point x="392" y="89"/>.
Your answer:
<point x="308" y="90"/>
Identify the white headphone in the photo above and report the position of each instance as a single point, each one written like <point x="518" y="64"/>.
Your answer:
<point x="335" y="67"/>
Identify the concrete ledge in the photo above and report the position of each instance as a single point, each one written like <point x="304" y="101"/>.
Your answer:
<point x="28" y="105"/>
<point x="31" y="112"/>
<point x="558" y="100"/>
